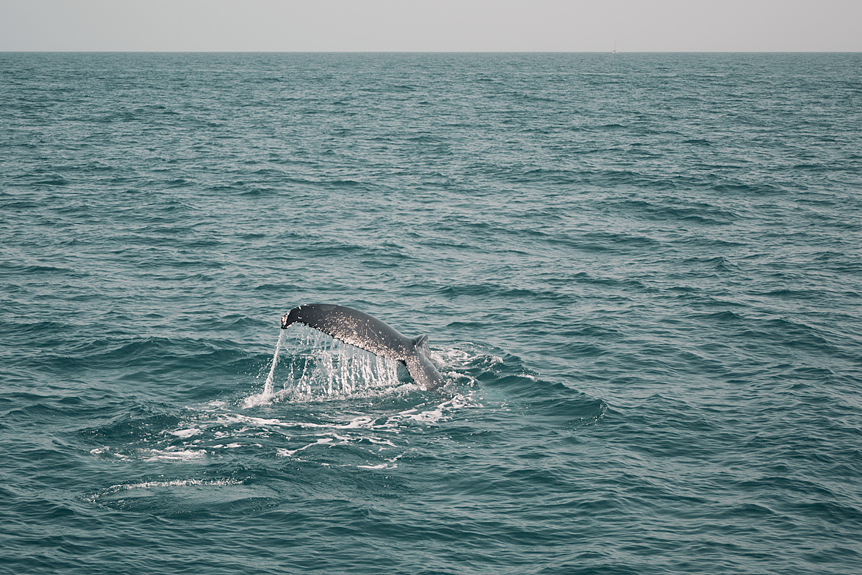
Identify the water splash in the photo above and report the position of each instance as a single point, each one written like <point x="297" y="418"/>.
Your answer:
<point x="267" y="387"/>
<point x="322" y="368"/>
<point x="266" y="395"/>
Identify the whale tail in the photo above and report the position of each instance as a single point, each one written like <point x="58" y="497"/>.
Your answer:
<point x="369" y="333"/>
<point x="423" y="371"/>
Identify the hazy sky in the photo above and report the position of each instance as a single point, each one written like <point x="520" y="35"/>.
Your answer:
<point x="432" y="25"/>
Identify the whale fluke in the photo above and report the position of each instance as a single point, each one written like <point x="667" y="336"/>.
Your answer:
<point x="369" y="333"/>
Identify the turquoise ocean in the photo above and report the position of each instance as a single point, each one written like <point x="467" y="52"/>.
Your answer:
<point x="640" y="276"/>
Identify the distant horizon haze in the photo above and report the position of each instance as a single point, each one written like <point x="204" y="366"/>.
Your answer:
<point x="444" y="26"/>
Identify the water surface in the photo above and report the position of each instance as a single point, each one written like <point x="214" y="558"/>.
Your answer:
<point x="639" y="274"/>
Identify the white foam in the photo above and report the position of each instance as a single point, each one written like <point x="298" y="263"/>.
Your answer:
<point x="176" y="483"/>
<point x="359" y="422"/>
<point x="390" y="464"/>
<point x="170" y="455"/>
<point x="184" y="433"/>
<point x="106" y="452"/>
<point x="227" y="419"/>
<point x="289" y="452"/>
<point x="377" y="441"/>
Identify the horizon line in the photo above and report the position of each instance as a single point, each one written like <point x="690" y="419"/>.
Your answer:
<point x="430" y="52"/>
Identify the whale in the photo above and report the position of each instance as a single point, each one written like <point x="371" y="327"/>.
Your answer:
<point x="369" y="333"/>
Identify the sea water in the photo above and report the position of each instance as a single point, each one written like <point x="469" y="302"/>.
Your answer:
<point x="639" y="274"/>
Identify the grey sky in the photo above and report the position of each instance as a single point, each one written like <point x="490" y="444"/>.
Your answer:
<point x="426" y="25"/>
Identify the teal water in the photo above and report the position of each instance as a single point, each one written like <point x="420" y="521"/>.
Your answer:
<point x="639" y="275"/>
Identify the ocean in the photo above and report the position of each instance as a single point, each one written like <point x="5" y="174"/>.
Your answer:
<point x="640" y="276"/>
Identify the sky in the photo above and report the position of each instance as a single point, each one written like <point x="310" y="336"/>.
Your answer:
<point x="432" y="25"/>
